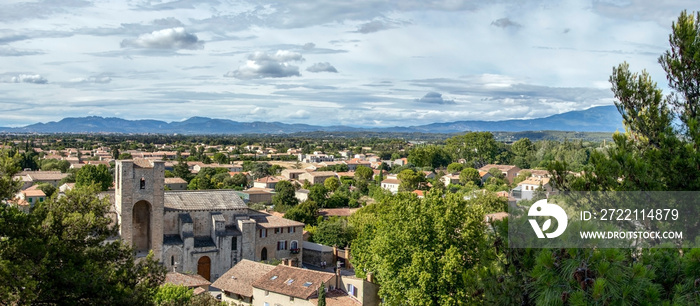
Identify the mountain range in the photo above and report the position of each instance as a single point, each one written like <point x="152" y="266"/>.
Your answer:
<point x="595" y="119"/>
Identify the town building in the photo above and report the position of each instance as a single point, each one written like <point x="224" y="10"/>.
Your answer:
<point x="204" y="232"/>
<point x="509" y="171"/>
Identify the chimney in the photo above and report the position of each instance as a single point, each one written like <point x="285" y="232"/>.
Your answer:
<point x="370" y="277"/>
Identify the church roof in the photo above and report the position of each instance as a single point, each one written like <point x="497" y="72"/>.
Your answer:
<point x="203" y="200"/>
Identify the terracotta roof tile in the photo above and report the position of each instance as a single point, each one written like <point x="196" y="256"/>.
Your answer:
<point x="337" y="297"/>
<point x="187" y="280"/>
<point x="175" y="180"/>
<point x="270" y="221"/>
<point x="291" y="281"/>
<point x="344" y="212"/>
<point x="239" y="279"/>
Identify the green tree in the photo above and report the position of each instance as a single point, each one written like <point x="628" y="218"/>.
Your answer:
<point x="285" y="195"/>
<point x="522" y="147"/>
<point x="125" y="156"/>
<point x="261" y="169"/>
<point x="47" y="188"/>
<point x="410" y="180"/>
<point x="322" y="295"/>
<point x="169" y="294"/>
<point x="331" y="183"/>
<point x="9" y="166"/>
<point x="55" y="165"/>
<point x="682" y="66"/>
<point x="239" y="179"/>
<point x="115" y="152"/>
<point x="91" y="174"/>
<point x="522" y="175"/>
<point x="332" y="232"/>
<point x="478" y="148"/>
<point x="652" y="155"/>
<point x="58" y="253"/>
<point x="364" y="173"/>
<point x="454" y="167"/>
<point x="305" y="212"/>
<point x="470" y="175"/>
<point x="182" y="171"/>
<point x="429" y="156"/>
<point x="423" y="251"/>
<point x="318" y="194"/>
<point x="221" y="158"/>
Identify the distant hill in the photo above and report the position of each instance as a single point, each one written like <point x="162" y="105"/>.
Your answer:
<point x="596" y="119"/>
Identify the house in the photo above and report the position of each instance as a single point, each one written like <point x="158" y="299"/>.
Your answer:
<point x="32" y="196"/>
<point x="192" y="281"/>
<point x="383" y="173"/>
<point x="266" y="182"/>
<point x="448" y="179"/>
<point x="316" y="177"/>
<point x="317" y="157"/>
<point x="429" y="174"/>
<point x="258" y="195"/>
<point x="203" y="231"/>
<point x="30" y="178"/>
<point x="292" y="174"/>
<point x="485" y="175"/>
<point x="538" y="173"/>
<point x="237" y="283"/>
<point x="509" y="171"/>
<point x="285" y="285"/>
<point x="391" y="184"/>
<point x="301" y="194"/>
<point x="356" y="162"/>
<point x="419" y="193"/>
<point x="345" y="153"/>
<point x="526" y="189"/>
<point x="175" y="183"/>
<point x="401" y="162"/>
<point x="66" y="187"/>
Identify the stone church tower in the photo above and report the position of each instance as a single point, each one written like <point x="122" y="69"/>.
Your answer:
<point x="139" y="202"/>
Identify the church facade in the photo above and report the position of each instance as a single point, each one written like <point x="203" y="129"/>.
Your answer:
<point x="204" y="232"/>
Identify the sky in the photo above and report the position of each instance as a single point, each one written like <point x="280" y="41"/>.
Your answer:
<point x="364" y="63"/>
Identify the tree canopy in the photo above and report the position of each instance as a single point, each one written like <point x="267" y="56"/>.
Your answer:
<point x="60" y="253"/>
<point x="91" y="174"/>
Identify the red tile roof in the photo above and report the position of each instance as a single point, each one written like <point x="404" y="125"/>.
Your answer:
<point x="239" y="279"/>
<point x="187" y="280"/>
<point x="290" y="281"/>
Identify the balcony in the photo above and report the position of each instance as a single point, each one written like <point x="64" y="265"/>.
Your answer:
<point x="294" y="251"/>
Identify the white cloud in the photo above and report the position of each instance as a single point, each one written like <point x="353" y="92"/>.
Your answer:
<point x="321" y="67"/>
<point x="266" y="65"/>
<point x="93" y="79"/>
<point x="300" y="114"/>
<point x="28" y="78"/>
<point x="173" y="38"/>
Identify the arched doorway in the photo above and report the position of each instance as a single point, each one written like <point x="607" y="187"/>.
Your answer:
<point x="263" y="254"/>
<point x="204" y="267"/>
<point x="141" y="227"/>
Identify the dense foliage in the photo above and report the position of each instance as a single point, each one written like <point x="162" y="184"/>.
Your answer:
<point x="59" y="253"/>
